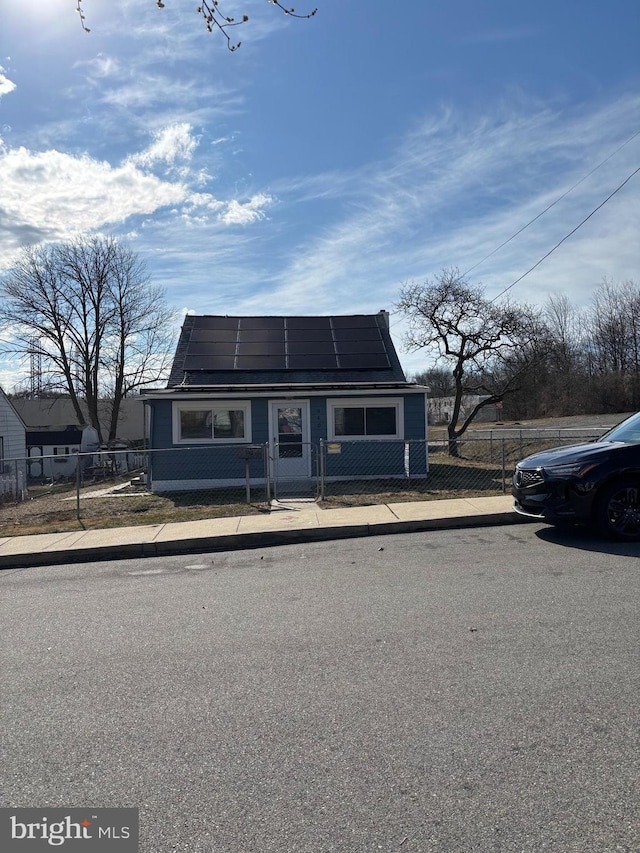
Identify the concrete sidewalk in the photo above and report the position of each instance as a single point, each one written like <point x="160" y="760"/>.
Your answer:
<point x="288" y="522"/>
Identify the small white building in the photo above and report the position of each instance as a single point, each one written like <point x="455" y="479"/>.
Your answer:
<point x="53" y="453"/>
<point x="13" y="450"/>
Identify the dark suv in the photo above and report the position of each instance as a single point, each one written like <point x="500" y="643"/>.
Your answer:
<point x="597" y="483"/>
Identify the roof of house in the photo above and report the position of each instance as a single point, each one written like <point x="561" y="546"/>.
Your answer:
<point x="218" y="351"/>
<point x="50" y="437"/>
<point x="10" y="405"/>
<point x="56" y="413"/>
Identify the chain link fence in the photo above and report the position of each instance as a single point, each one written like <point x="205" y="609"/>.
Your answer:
<point x="126" y="487"/>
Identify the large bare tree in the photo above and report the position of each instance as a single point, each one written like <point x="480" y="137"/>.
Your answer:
<point x="87" y="312"/>
<point x="489" y="346"/>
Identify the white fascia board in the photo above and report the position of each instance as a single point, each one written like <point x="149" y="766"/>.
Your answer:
<point x="283" y="394"/>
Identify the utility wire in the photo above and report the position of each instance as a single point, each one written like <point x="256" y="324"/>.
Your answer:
<point x="566" y="237"/>
<point x="553" y="203"/>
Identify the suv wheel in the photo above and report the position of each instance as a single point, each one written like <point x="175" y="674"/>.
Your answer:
<point x="618" y="510"/>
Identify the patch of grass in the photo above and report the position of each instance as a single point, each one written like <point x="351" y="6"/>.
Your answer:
<point x="53" y="514"/>
<point x="448" y="478"/>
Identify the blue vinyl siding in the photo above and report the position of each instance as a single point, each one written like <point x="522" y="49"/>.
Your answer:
<point x="415" y="412"/>
<point x="206" y="462"/>
<point x="318" y="415"/>
<point x="199" y="461"/>
<point x="161" y="424"/>
<point x="356" y="459"/>
<point x="382" y="458"/>
<point x="259" y="420"/>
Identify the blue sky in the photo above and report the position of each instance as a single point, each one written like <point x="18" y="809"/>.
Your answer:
<point x="326" y="162"/>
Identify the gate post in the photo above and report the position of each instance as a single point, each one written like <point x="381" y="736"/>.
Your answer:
<point x="321" y="467"/>
<point x="267" y="473"/>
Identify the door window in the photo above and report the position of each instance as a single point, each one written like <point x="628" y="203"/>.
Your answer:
<point x="289" y="432"/>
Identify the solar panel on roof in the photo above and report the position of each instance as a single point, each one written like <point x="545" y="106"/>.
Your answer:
<point x="267" y="336"/>
<point x="310" y="347"/>
<point x="348" y="333"/>
<point x="258" y="362"/>
<point x="210" y="349"/>
<point x="217" y="335"/>
<point x="284" y="343"/>
<point x="303" y="335"/>
<point x="308" y="323"/>
<point x="357" y="321"/>
<point x="260" y="348"/>
<point x="353" y="347"/>
<point x="312" y="362"/>
<point x="261" y="323"/>
<point x="201" y="362"/>
<point x="363" y="362"/>
<point x="207" y="322"/>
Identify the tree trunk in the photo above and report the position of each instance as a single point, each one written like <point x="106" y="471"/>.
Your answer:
<point x="453" y="448"/>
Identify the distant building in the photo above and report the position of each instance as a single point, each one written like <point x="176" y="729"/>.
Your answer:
<point x="12" y="450"/>
<point x="53" y="453"/>
<point x="441" y="409"/>
<point x="58" y="413"/>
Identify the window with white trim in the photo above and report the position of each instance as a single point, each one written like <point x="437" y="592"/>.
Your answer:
<point x="370" y="418"/>
<point x="212" y="422"/>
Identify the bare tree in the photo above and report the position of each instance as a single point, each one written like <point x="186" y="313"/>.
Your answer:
<point x="438" y="380"/>
<point x="87" y="310"/>
<point x="614" y="329"/>
<point x="215" y="18"/>
<point x="563" y="389"/>
<point x="489" y="346"/>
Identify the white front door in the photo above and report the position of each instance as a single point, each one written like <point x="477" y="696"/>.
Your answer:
<point x="289" y="431"/>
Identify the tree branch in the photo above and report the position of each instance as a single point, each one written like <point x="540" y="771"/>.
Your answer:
<point x="215" y="18"/>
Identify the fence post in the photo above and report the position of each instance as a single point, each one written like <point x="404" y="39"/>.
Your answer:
<point x="504" y="472"/>
<point x="267" y="473"/>
<point x="17" y="490"/>
<point x="78" y="478"/>
<point x="321" y="468"/>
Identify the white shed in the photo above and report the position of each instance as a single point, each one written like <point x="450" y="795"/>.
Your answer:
<point x="13" y="450"/>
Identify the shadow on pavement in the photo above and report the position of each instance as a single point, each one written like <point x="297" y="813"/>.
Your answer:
<point x="582" y="537"/>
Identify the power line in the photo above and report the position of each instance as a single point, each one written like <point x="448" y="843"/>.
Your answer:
<point x="553" y="203"/>
<point x="566" y="237"/>
<point x="548" y="208"/>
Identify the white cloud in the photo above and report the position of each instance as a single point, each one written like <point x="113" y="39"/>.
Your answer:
<point x="101" y="66"/>
<point x="237" y="213"/>
<point x="6" y="85"/>
<point x="170" y="144"/>
<point x="49" y="195"/>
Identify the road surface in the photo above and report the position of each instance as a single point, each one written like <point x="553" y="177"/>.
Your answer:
<point x="472" y="690"/>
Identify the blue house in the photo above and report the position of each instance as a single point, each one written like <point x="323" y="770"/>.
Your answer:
<point x="285" y="398"/>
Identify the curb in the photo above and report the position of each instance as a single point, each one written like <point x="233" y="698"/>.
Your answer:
<point x="248" y="541"/>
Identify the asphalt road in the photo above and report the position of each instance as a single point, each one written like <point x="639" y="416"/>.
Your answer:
<point x="472" y="690"/>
